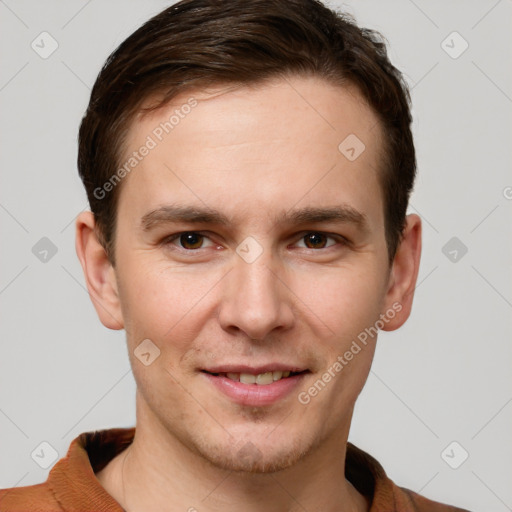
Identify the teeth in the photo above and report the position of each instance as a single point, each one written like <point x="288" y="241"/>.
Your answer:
<point x="247" y="378"/>
<point x="277" y="375"/>
<point x="262" y="379"/>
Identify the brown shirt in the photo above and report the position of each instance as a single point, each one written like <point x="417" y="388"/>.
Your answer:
<point x="72" y="486"/>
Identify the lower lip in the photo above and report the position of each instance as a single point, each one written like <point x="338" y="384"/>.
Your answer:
<point x="254" y="394"/>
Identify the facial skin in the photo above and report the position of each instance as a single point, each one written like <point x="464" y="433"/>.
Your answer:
<point x="257" y="157"/>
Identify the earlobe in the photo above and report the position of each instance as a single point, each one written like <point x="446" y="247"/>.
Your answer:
<point x="403" y="275"/>
<point x="98" y="271"/>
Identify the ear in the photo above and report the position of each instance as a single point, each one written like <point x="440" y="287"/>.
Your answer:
<point x="99" y="273"/>
<point x="403" y="275"/>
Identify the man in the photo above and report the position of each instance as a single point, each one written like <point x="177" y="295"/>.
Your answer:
<point x="248" y="167"/>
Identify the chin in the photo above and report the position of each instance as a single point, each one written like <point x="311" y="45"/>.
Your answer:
<point x="253" y="457"/>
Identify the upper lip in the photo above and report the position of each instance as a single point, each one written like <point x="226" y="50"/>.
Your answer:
<point x="254" y="370"/>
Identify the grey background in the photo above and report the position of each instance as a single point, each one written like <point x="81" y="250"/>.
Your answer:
<point x="445" y="376"/>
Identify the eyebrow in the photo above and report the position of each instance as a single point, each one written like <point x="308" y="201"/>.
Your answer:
<point x="186" y="214"/>
<point x="203" y="215"/>
<point x="342" y="213"/>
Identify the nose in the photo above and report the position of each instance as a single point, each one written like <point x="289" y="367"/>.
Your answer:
<point x="255" y="300"/>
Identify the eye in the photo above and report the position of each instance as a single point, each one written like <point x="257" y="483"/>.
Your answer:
<point x="316" y="240"/>
<point x="190" y="240"/>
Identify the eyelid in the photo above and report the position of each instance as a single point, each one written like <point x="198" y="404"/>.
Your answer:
<point x="339" y="239"/>
<point x="168" y="240"/>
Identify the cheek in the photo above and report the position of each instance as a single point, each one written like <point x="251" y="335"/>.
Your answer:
<point x="345" y="299"/>
<point x="164" y="303"/>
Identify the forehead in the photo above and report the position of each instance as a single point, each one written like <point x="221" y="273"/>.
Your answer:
<point x="265" y="147"/>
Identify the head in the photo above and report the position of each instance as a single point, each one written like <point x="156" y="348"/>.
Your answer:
<point x="248" y="167"/>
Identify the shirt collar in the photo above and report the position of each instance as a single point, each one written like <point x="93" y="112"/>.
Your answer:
<point x="74" y="484"/>
<point x="72" y="480"/>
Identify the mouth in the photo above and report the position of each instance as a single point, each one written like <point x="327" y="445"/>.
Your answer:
<point x="255" y="387"/>
<point x="259" y="379"/>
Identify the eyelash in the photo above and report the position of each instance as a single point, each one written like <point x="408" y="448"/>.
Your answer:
<point x="338" y="239"/>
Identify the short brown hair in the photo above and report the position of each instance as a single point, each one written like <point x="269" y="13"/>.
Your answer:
<point x="198" y="43"/>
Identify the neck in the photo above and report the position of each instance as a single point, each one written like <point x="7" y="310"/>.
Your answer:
<point x="158" y="473"/>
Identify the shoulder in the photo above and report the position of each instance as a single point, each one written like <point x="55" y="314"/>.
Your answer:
<point x="370" y="479"/>
<point x="32" y="498"/>
<point x="71" y="483"/>
<point x="409" y="500"/>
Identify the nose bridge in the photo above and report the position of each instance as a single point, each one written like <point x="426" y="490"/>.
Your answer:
<point x="257" y="282"/>
<point x="255" y="300"/>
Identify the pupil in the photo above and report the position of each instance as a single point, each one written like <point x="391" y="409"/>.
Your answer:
<point x="191" y="240"/>
<point x="315" y="240"/>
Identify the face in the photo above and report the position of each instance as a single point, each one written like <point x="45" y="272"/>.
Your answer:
<point x="251" y="252"/>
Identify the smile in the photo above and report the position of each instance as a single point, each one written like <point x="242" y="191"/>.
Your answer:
<point x="255" y="387"/>
<point x="261" y="379"/>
